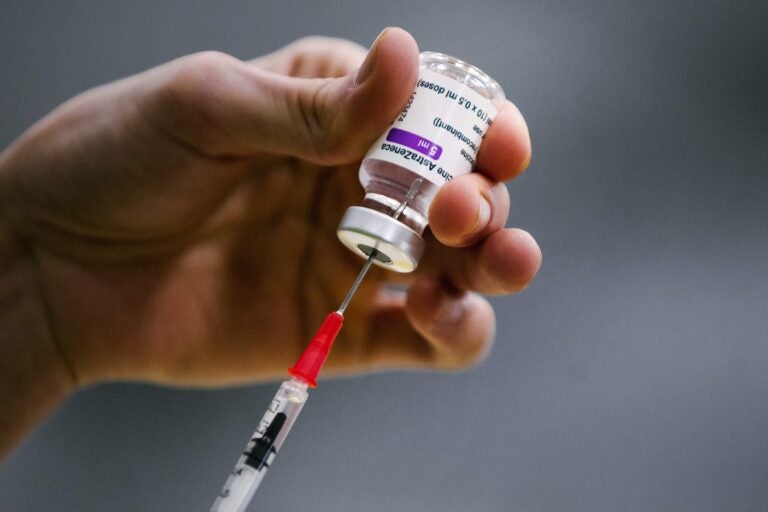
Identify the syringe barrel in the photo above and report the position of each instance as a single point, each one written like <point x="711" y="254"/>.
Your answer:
<point x="261" y="450"/>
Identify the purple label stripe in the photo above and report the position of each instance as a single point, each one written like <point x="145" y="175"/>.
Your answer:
<point x="415" y="142"/>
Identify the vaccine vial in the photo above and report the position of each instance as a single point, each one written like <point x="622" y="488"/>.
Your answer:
<point x="434" y="139"/>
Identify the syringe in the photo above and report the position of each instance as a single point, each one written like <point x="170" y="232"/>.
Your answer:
<point x="282" y="412"/>
<point x="274" y="426"/>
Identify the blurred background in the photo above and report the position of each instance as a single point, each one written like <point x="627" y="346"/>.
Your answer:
<point x="632" y="375"/>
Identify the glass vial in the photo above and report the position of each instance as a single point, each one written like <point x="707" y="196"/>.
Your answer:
<point x="434" y="139"/>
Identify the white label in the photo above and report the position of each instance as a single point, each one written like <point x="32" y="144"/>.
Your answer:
<point x="439" y="131"/>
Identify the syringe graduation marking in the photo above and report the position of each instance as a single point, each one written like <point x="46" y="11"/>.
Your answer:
<point x="258" y="456"/>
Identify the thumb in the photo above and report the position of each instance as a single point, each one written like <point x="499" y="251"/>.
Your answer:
<point x="225" y="107"/>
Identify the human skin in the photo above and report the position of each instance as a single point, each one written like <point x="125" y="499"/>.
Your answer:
<point x="178" y="227"/>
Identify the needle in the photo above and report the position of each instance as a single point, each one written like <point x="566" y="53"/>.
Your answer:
<point x="274" y="426"/>
<point x="374" y="253"/>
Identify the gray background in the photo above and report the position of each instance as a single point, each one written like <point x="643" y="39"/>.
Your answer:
<point x="631" y="376"/>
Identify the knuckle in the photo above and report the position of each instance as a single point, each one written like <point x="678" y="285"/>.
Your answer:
<point x="189" y="95"/>
<point x="320" y="56"/>
<point x="191" y="76"/>
<point x="314" y="57"/>
<point x="312" y="43"/>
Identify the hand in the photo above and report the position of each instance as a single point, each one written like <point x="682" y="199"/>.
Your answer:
<point x="179" y="225"/>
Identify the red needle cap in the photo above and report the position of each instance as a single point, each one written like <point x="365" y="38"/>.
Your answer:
<point x="307" y="368"/>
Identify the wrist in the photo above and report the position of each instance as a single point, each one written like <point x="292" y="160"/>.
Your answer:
<point x="33" y="376"/>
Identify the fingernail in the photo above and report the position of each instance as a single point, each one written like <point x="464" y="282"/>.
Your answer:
<point x="483" y="214"/>
<point x="367" y="67"/>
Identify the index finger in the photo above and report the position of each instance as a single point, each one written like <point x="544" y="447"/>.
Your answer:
<point x="314" y="57"/>
<point x="506" y="149"/>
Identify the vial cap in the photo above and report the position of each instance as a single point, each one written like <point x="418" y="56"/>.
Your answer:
<point x="396" y="246"/>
